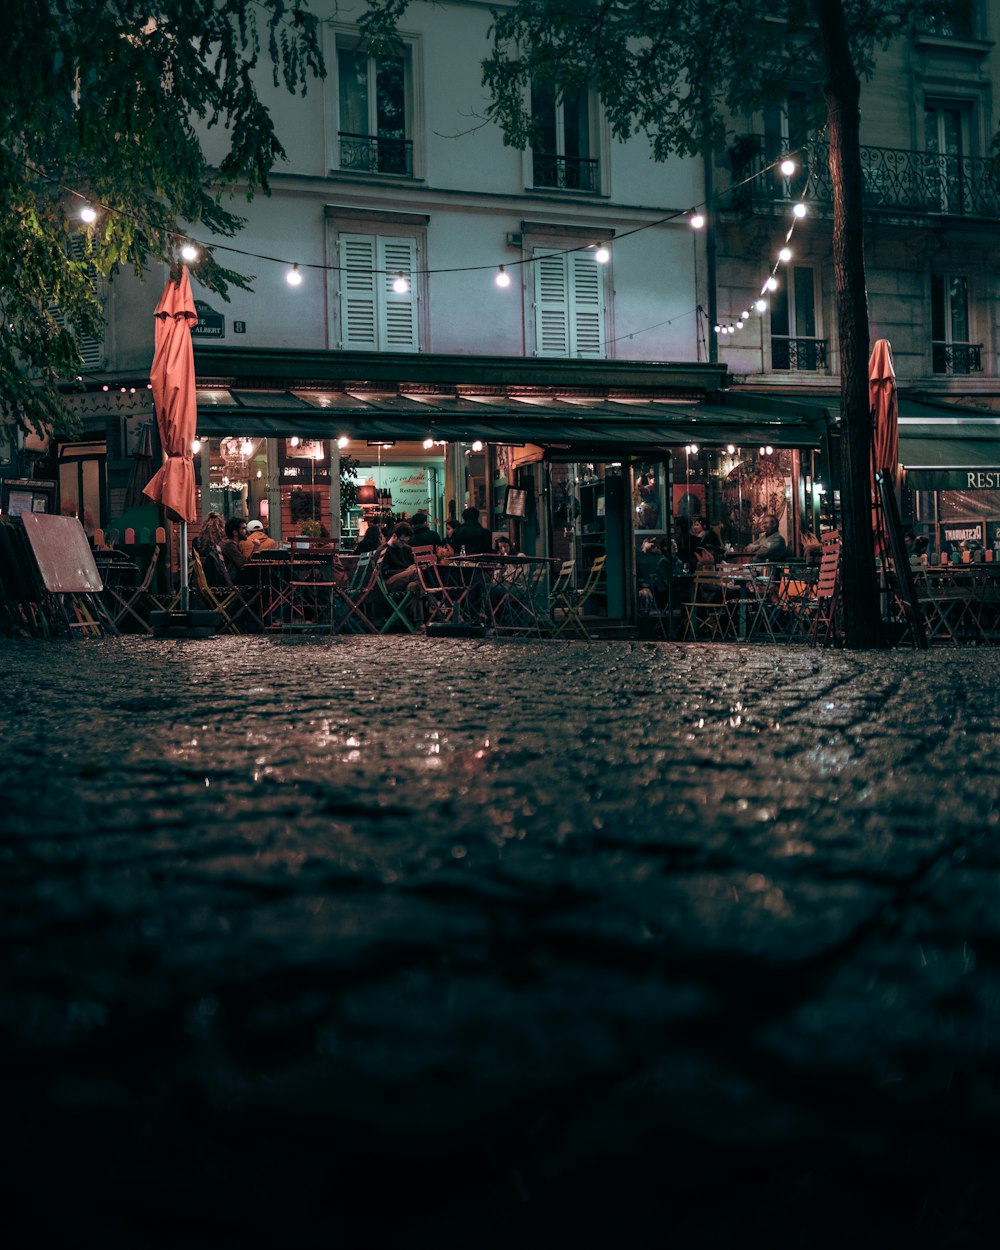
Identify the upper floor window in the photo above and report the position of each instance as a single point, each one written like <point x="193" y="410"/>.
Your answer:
<point x="378" y="302"/>
<point x="569" y="301"/>
<point x="373" y="125"/>
<point x="951" y="350"/>
<point x="564" y="153"/>
<point x="787" y="133"/>
<point x="954" y="25"/>
<point x="946" y="141"/>
<point x="794" y="344"/>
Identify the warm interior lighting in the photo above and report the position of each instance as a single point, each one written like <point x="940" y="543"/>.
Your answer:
<point x="195" y="446"/>
<point x="477" y="445"/>
<point x="246" y="447"/>
<point x="343" y="441"/>
<point x="428" y="444"/>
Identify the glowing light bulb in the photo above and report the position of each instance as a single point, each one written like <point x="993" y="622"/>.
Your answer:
<point x="293" y="277"/>
<point x="246" y="447"/>
<point x="799" y="210"/>
<point x="88" y="213"/>
<point x="745" y="314"/>
<point x="772" y="283"/>
<point x="697" y="220"/>
<point x="428" y="444"/>
<point x="603" y="254"/>
<point x="477" y="445"/>
<point x="503" y="277"/>
<point x="195" y="446"/>
<point x="788" y="167"/>
<point x="401" y="284"/>
<point x="731" y="449"/>
<point x="785" y="255"/>
<point x="294" y="440"/>
<point x="343" y="441"/>
<point x="189" y="252"/>
<point x="761" y="305"/>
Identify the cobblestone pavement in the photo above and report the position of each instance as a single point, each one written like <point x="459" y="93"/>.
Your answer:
<point x="436" y="943"/>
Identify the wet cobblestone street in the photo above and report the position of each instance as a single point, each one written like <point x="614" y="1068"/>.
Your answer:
<point x="437" y="943"/>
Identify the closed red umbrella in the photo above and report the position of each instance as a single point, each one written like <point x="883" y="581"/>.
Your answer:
<point x="884" y="406"/>
<point x="176" y="402"/>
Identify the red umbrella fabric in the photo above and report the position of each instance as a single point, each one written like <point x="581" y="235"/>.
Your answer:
<point x="175" y="399"/>
<point x="884" y="406"/>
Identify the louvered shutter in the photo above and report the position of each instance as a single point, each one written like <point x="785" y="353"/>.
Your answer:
<point x="397" y="312"/>
<point x="91" y="350"/>
<point x="358" y="293"/>
<point x="586" y="283"/>
<point x="551" y="304"/>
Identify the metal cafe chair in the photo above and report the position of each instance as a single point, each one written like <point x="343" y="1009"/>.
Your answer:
<point x="349" y="602"/>
<point x="216" y="599"/>
<point x="122" y="601"/>
<point x="708" y="615"/>
<point x="440" y="601"/>
<point x="397" y="601"/>
<point x="571" y="600"/>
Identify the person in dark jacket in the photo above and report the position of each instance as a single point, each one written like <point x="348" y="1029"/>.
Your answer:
<point x="472" y="537"/>
<point x="423" y="535"/>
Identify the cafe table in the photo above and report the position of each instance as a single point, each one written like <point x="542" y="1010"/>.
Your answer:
<point x="510" y="593"/>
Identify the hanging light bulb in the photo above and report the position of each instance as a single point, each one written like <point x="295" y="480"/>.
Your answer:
<point x="246" y="447"/>
<point x="428" y="443"/>
<point x="294" y="440"/>
<point x="189" y="252"/>
<point x="731" y="449"/>
<point x="195" y="446"/>
<point x="401" y="284"/>
<point x="745" y="314"/>
<point x="293" y="277"/>
<point x="503" y="277"/>
<point x="785" y="255"/>
<point x="799" y="210"/>
<point x="603" y="254"/>
<point x="788" y="167"/>
<point x="88" y="213"/>
<point x="697" y="219"/>
<point x="477" y="445"/>
<point x="761" y="305"/>
<point x="343" y="441"/>
<point x="772" y="283"/>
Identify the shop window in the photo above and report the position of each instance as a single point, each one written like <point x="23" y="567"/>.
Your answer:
<point x="83" y="483"/>
<point x="563" y="155"/>
<point x="374" y="314"/>
<point x="569" y="304"/>
<point x="373" y="132"/>
<point x="951" y="350"/>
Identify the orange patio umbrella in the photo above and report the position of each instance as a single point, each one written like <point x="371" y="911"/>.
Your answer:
<point x="174" y="396"/>
<point x="884" y="407"/>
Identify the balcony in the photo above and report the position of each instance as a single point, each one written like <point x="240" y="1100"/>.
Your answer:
<point x="798" y="355"/>
<point x="375" y="154"/>
<point x="897" y="181"/>
<point x="957" y="357"/>
<point x="566" y="173"/>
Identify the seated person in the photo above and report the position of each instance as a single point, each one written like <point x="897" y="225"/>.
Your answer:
<point x="703" y="536"/>
<point x="704" y="558"/>
<point x="371" y="539"/>
<point x="399" y="571"/>
<point x="257" y="539"/>
<point x="471" y="537"/>
<point x="812" y="548"/>
<point x="771" y="544"/>
<point x="504" y="547"/>
<point x="423" y="535"/>
<point x="231" y="546"/>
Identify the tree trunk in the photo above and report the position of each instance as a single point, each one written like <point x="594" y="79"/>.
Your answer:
<point x="862" y="616"/>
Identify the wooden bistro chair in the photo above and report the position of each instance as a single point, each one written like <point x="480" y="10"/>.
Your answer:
<point x="216" y="598"/>
<point x="708" y="616"/>
<point x="821" y="611"/>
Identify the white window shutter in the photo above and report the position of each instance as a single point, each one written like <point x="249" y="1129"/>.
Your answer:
<point x="551" y="304"/>
<point x="358" y="293"/>
<point x="397" y="311"/>
<point x="587" y="306"/>
<point x="91" y="350"/>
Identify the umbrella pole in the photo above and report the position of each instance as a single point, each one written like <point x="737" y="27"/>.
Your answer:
<point x="184" y="566"/>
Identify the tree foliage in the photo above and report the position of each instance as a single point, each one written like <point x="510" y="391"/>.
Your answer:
<point x="107" y="104"/>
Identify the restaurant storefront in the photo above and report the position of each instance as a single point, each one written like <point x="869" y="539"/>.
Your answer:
<point x="569" y="459"/>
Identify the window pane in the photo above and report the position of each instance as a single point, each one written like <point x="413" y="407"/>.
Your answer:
<point x="959" y="310"/>
<point x="352" y="72"/>
<point x="805" y="305"/>
<point x="543" y="114"/>
<point x="577" y="126"/>
<point x="390" y="99"/>
<point x="779" y="311"/>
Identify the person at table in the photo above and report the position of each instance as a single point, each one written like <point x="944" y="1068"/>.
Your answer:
<point x="231" y="546"/>
<point x="471" y="537"/>
<point x="705" y="559"/>
<point x="504" y="547"/>
<point x="398" y="570"/>
<point x="371" y="539"/>
<point x="685" y="543"/>
<point x="702" y="536"/>
<point x="771" y="544"/>
<point x="448" y="546"/>
<point x="257" y="539"/>
<point x="423" y="535"/>
<point x="812" y="547"/>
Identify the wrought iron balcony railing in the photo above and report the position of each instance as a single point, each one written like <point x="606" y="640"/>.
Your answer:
<point x="957" y="357"/>
<point x="803" y="355"/>
<point x="375" y="154"/>
<point x="896" y="180"/>
<point x="568" y="173"/>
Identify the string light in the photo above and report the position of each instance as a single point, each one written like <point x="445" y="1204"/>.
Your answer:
<point x="195" y="446"/>
<point x="294" y="441"/>
<point x="88" y="213"/>
<point x="785" y="255"/>
<point x="761" y="305"/>
<point x="293" y="277"/>
<point x="603" y="254"/>
<point x="401" y="284"/>
<point x="503" y="277"/>
<point x="772" y="283"/>
<point x="788" y="167"/>
<point x="343" y="441"/>
<point x="477" y="445"/>
<point x="428" y="444"/>
<point x="697" y="220"/>
<point x="799" y="210"/>
<point x="189" y="252"/>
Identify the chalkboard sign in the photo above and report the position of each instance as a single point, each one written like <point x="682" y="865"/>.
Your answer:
<point x="901" y="561"/>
